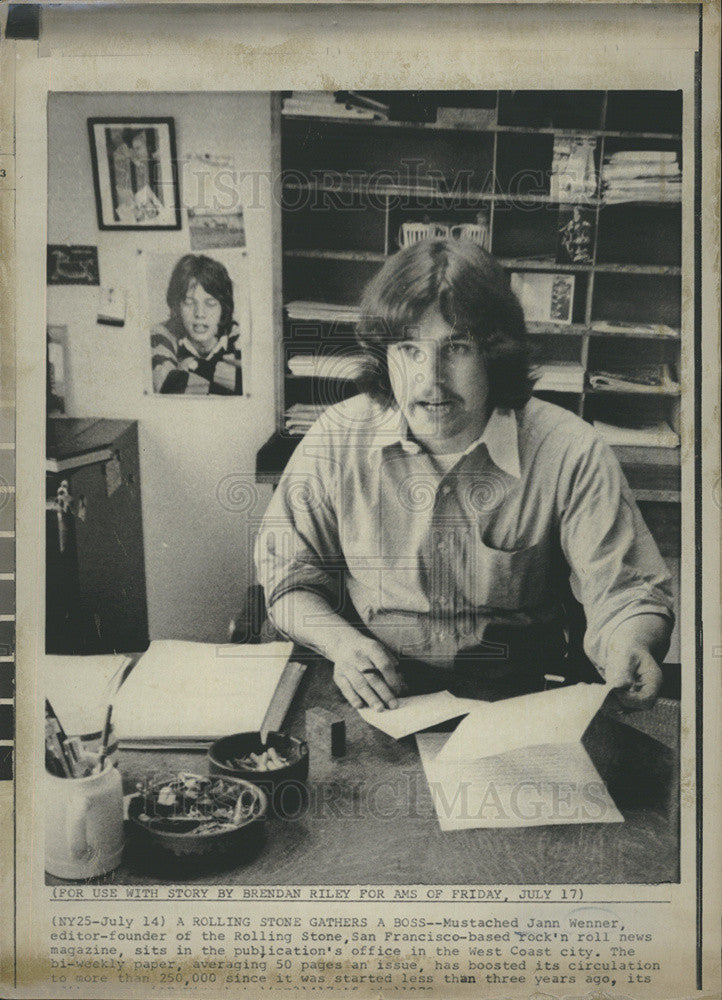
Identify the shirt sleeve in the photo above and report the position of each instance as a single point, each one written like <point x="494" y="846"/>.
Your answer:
<point x="616" y="569"/>
<point x="224" y="371"/>
<point x="167" y="376"/>
<point x="298" y="543"/>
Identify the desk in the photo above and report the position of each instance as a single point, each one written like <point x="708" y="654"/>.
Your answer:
<point x="370" y="817"/>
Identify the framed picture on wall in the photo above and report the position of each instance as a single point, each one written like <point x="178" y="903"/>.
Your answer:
<point x="135" y="173"/>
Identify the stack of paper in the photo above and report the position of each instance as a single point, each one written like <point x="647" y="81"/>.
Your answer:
<point x="327" y="312"/>
<point x="629" y="328"/>
<point x="301" y="416"/>
<point x="642" y="175"/>
<point x="519" y="762"/>
<point x="559" y="376"/>
<point x="657" y="435"/>
<point x="323" y="104"/>
<point x="334" y="366"/>
<point x="643" y="378"/>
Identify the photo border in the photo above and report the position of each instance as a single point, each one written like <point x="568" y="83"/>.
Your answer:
<point x="103" y="225"/>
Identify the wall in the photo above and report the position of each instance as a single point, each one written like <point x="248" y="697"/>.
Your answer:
<point x="197" y="548"/>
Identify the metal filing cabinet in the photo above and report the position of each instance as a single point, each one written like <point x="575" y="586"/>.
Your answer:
<point x="95" y="572"/>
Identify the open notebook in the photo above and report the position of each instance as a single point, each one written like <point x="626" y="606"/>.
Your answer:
<point x="519" y="762"/>
<point x="176" y="692"/>
<point x="199" y="691"/>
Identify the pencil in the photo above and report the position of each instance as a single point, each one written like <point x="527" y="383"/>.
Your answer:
<point x="106" y="737"/>
<point x="57" y="740"/>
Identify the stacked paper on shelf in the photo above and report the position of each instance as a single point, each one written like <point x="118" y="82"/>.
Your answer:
<point x="574" y="174"/>
<point x="630" y="328"/>
<point x="659" y="190"/>
<point x="301" y="416"/>
<point x="324" y="104"/>
<point x="334" y="366"/>
<point x="325" y="312"/>
<point x="471" y="118"/>
<point x="642" y="175"/>
<point x="645" y="378"/>
<point x="559" y="376"/>
<point x="359" y="100"/>
<point x="650" y="435"/>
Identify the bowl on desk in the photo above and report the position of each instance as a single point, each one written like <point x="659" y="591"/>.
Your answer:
<point x="244" y="755"/>
<point x="191" y="820"/>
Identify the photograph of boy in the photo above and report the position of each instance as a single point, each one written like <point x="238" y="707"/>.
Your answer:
<point x="196" y="350"/>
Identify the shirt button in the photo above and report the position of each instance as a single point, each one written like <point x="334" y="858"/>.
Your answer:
<point x="443" y="601"/>
<point x="445" y="490"/>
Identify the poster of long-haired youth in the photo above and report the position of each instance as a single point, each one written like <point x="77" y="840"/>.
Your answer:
<point x="196" y="323"/>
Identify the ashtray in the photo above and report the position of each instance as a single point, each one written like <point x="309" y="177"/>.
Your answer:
<point x="188" y="817"/>
<point x="279" y="766"/>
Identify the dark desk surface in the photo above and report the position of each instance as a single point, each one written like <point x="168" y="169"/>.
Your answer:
<point x="370" y="818"/>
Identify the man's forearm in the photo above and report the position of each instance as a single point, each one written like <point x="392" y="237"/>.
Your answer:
<point x="650" y="631"/>
<point x="363" y="669"/>
<point x="636" y="649"/>
<point x="308" y="619"/>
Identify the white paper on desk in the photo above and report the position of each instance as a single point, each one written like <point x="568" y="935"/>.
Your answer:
<point x="494" y="727"/>
<point x="198" y="690"/>
<point x="534" y="786"/>
<point x="80" y="689"/>
<point x="414" y="713"/>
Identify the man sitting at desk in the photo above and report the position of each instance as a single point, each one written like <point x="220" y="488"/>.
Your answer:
<point x="442" y="516"/>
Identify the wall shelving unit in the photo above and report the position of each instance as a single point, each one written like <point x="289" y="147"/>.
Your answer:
<point x="348" y="186"/>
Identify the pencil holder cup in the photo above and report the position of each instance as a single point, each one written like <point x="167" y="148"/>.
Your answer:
<point x="84" y="824"/>
<point x="90" y="743"/>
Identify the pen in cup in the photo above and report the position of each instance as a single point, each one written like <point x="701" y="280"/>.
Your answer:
<point x="105" y="738"/>
<point x="57" y="749"/>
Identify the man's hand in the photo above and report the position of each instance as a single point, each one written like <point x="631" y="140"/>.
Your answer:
<point x="638" y="681"/>
<point x="635" y="650"/>
<point x="366" y="674"/>
<point x="364" y="670"/>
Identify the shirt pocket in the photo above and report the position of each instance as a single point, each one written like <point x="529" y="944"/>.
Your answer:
<point x="510" y="579"/>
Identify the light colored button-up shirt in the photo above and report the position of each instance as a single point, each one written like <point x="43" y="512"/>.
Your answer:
<point x="431" y="550"/>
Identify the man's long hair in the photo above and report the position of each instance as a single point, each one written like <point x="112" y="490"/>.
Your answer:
<point x="473" y="295"/>
<point x="212" y="276"/>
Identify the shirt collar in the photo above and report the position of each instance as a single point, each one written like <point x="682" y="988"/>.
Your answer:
<point x="500" y="437"/>
<point x="221" y="345"/>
